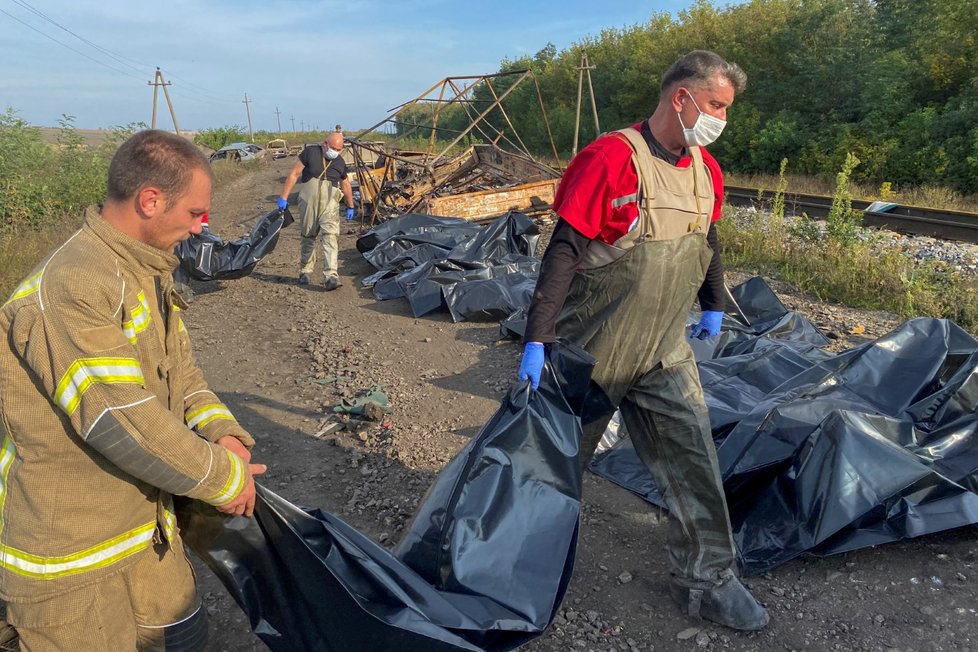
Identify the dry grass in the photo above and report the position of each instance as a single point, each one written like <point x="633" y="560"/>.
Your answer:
<point x="227" y="171"/>
<point x="857" y="273"/>
<point x="21" y="251"/>
<point x="925" y="196"/>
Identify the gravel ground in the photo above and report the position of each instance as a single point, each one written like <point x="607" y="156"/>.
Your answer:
<point x="282" y="356"/>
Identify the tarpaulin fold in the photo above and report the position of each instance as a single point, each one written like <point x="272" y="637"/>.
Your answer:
<point x="472" y="272"/>
<point x="828" y="453"/>
<point x="510" y="499"/>
<point x="207" y="257"/>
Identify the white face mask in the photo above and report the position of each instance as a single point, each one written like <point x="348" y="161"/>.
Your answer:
<point x="331" y="153"/>
<point x="705" y="130"/>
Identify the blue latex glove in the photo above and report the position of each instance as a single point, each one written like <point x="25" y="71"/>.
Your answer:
<point x="532" y="363"/>
<point x="349" y="214"/>
<point x="283" y="203"/>
<point x="709" y="325"/>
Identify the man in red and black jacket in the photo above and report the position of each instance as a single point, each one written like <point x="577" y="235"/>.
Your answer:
<point x="635" y="244"/>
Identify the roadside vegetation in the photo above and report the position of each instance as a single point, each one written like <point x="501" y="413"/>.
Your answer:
<point x="838" y="261"/>
<point x="872" y="99"/>
<point x="45" y="188"/>
<point x="218" y="137"/>
<point x="939" y="197"/>
<point x="891" y="81"/>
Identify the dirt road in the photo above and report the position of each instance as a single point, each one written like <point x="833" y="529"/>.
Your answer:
<point x="282" y="355"/>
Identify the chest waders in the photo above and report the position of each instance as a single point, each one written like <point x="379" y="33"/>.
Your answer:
<point x="319" y="210"/>
<point x="627" y="307"/>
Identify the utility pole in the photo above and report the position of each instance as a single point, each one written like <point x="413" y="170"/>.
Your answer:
<point x="156" y="83"/>
<point x="251" y="134"/>
<point x="292" y="117"/>
<point x="585" y="67"/>
<point x="278" y="121"/>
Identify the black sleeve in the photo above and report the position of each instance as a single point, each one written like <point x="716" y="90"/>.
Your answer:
<point x="711" y="294"/>
<point x="560" y="261"/>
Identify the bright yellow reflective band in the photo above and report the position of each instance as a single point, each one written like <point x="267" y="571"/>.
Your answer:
<point x="84" y="372"/>
<point x="26" y="288"/>
<point x="7" y="455"/>
<point x="140" y="318"/>
<point x="207" y="413"/>
<point x="100" y="556"/>
<point x="234" y="485"/>
<point x="170" y="520"/>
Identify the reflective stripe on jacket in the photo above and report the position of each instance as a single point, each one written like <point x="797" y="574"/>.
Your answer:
<point x="103" y="415"/>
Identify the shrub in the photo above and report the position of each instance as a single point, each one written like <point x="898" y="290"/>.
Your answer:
<point x="218" y="138"/>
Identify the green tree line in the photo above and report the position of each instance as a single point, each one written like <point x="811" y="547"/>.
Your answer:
<point x="893" y="82"/>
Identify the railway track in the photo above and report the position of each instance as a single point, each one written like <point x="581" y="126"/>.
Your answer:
<point x="946" y="225"/>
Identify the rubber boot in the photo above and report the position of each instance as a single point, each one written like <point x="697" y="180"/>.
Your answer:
<point x="730" y="604"/>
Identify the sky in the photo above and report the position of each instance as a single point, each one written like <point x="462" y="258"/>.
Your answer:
<point x="318" y="62"/>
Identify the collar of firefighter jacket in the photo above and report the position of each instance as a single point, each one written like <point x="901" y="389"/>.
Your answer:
<point x="139" y="253"/>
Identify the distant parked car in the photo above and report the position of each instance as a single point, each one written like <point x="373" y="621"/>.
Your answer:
<point x="239" y="152"/>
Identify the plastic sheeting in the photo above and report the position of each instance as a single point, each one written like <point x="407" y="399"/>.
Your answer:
<point x="826" y="453"/>
<point x="472" y="272"/>
<point x="207" y="257"/>
<point x="509" y="500"/>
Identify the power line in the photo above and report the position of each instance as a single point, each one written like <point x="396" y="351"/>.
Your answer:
<point x="47" y="36"/>
<point x="199" y="97"/>
<point x="118" y="57"/>
<point x="115" y="56"/>
<point x="203" y="91"/>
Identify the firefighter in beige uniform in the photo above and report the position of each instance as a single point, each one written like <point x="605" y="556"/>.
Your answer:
<point x="321" y="172"/>
<point x="105" y="416"/>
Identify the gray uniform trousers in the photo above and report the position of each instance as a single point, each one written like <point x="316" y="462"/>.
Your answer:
<point x="319" y="210"/>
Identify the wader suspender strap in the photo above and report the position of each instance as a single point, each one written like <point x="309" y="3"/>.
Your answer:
<point x="634" y="140"/>
<point x="636" y="143"/>
<point x="660" y="217"/>
<point x="697" y="163"/>
<point x="322" y="177"/>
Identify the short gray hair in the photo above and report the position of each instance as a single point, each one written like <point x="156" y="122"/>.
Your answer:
<point x="702" y="67"/>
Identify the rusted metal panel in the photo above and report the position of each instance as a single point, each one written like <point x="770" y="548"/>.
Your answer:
<point x="529" y="198"/>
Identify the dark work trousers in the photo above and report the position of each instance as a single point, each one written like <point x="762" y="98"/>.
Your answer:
<point x="631" y="316"/>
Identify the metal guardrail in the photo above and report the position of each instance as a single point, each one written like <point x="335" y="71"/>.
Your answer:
<point x="942" y="224"/>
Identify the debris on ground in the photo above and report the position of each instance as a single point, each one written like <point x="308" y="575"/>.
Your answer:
<point x="372" y="403"/>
